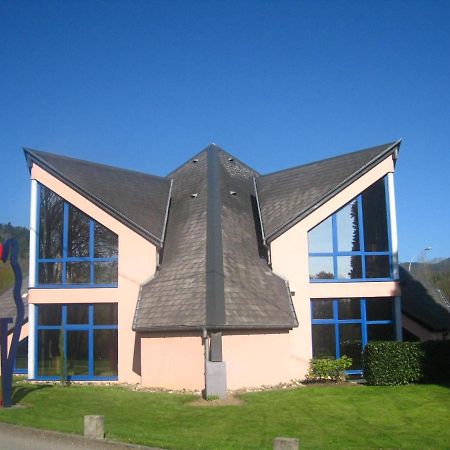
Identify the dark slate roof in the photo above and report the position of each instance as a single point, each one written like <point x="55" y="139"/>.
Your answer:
<point x="8" y="306"/>
<point x="288" y="196"/>
<point x="138" y="200"/>
<point x="213" y="272"/>
<point x="424" y="303"/>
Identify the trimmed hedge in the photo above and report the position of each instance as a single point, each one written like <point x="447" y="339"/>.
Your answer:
<point x="393" y="363"/>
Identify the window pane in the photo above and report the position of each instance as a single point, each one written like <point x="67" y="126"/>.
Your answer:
<point x="349" y="308"/>
<point x="105" y="272"/>
<point x="379" y="308"/>
<point x="380" y="332"/>
<point x="105" y="353"/>
<point x="105" y="314"/>
<point x="77" y="314"/>
<point x="350" y="343"/>
<point x="349" y="267"/>
<point x="320" y="238"/>
<point x="375" y="218"/>
<point x="22" y="355"/>
<point x="50" y="224"/>
<point x="321" y="267"/>
<point x="78" y="273"/>
<point x="323" y="341"/>
<point x="347" y="227"/>
<point x="377" y="266"/>
<point x="49" y="314"/>
<point x="78" y="233"/>
<point x="105" y="242"/>
<point x="50" y="273"/>
<point x="49" y="361"/>
<point x="322" y="309"/>
<point x="77" y="353"/>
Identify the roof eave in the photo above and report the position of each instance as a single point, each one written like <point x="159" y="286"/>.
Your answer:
<point x="33" y="158"/>
<point x="391" y="150"/>
<point x="166" y="328"/>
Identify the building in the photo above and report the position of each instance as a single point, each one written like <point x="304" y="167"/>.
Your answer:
<point x="425" y="309"/>
<point x="214" y="276"/>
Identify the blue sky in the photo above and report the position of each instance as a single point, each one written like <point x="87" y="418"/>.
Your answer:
<point x="146" y="84"/>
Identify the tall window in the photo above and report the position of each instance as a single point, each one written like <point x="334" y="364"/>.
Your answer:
<point x="77" y="339"/>
<point x="74" y="250"/>
<point x="353" y="243"/>
<point x="343" y="326"/>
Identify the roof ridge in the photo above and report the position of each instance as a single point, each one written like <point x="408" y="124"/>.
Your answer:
<point x="331" y="158"/>
<point x="92" y="163"/>
<point x="29" y="153"/>
<point x="334" y="190"/>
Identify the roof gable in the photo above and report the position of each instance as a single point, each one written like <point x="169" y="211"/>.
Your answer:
<point x="138" y="200"/>
<point x="212" y="274"/>
<point x="287" y="196"/>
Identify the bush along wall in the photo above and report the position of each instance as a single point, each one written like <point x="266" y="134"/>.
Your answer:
<point x="327" y="369"/>
<point x="393" y="363"/>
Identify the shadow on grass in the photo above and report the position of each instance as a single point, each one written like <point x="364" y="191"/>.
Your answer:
<point x="20" y="392"/>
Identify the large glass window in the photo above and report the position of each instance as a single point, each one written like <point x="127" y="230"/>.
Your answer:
<point x="74" y="250"/>
<point x="353" y="244"/>
<point x="21" y="363"/>
<point x="77" y="339"/>
<point x="343" y="326"/>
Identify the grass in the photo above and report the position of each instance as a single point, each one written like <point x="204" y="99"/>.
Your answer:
<point x="413" y="417"/>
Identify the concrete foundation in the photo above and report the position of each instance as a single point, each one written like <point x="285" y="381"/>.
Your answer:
<point x="216" y="379"/>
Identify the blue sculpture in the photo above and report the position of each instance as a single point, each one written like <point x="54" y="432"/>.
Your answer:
<point x="11" y="249"/>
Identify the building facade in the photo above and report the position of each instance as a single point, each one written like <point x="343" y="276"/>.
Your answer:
<point x="213" y="277"/>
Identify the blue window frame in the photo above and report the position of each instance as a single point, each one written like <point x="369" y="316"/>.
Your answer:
<point x="354" y="244"/>
<point x="343" y="326"/>
<point x="73" y="250"/>
<point x="78" y="340"/>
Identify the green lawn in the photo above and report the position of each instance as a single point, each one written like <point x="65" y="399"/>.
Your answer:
<point x="416" y="416"/>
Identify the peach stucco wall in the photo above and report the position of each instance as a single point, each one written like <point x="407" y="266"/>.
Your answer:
<point x="173" y="361"/>
<point x="257" y="359"/>
<point x="137" y="263"/>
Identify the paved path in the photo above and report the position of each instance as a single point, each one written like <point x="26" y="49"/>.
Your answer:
<point x="13" y="437"/>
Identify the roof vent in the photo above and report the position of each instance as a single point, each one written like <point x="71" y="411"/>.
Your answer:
<point x="195" y="160"/>
<point x="232" y="192"/>
<point x="195" y="195"/>
<point x="230" y="159"/>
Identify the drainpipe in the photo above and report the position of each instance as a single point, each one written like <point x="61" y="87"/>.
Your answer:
<point x="206" y="354"/>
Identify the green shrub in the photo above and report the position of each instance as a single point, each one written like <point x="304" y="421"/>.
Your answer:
<point x="436" y="367"/>
<point x="327" y="369"/>
<point x="392" y="363"/>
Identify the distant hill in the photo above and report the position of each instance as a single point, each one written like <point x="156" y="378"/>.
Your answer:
<point x="22" y="235"/>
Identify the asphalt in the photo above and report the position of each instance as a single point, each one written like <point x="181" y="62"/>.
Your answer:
<point x="13" y="437"/>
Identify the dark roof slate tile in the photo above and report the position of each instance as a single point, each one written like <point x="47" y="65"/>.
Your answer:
<point x="287" y="196"/>
<point x="180" y="295"/>
<point x="137" y="199"/>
